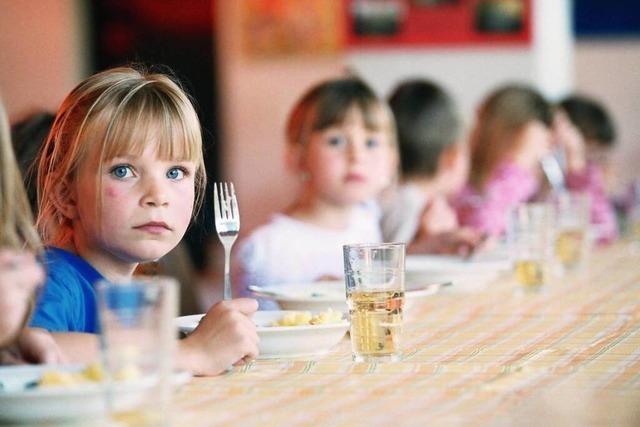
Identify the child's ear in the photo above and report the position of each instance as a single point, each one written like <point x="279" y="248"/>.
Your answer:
<point x="449" y="157"/>
<point x="295" y="158"/>
<point x="64" y="198"/>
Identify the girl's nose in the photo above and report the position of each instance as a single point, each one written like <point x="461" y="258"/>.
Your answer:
<point x="355" y="150"/>
<point x="154" y="194"/>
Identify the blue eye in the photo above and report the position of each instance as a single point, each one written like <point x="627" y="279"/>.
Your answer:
<point x="372" y="143"/>
<point x="176" y="174"/>
<point x="336" y="141"/>
<point x="121" y="171"/>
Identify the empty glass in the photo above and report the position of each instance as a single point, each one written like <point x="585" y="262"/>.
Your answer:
<point x="137" y="340"/>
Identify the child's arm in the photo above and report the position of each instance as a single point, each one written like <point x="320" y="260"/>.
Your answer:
<point x="586" y="177"/>
<point x="77" y="347"/>
<point x="33" y="345"/>
<point x="225" y="336"/>
<point x="438" y="217"/>
<point x="20" y="275"/>
<point x="462" y="241"/>
<point x="591" y="181"/>
<point x="487" y="212"/>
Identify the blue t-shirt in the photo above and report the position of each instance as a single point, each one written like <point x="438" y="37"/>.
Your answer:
<point x="68" y="302"/>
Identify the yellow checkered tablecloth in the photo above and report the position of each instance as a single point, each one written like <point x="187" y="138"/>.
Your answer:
<point x="569" y="355"/>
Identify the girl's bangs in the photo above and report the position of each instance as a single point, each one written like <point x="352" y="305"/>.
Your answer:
<point x="147" y="119"/>
<point x="373" y="115"/>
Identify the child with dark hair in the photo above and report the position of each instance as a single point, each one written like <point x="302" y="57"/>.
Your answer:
<point x="28" y="135"/>
<point x="434" y="166"/>
<point x="586" y="133"/>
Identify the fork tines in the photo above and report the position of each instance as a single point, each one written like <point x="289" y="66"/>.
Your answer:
<point x="225" y="203"/>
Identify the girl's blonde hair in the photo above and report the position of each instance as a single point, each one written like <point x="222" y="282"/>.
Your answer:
<point x="501" y="117"/>
<point x="120" y="110"/>
<point x="328" y="103"/>
<point x="16" y="221"/>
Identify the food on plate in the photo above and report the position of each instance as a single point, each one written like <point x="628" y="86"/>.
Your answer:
<point x="300" y="318"/>
<point x="93" y="373"/>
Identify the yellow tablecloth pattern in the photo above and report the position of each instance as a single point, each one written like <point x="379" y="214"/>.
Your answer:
<point x="568" y="355"/>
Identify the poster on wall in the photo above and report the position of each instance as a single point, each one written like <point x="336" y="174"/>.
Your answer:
<point x="398" y="23"/>
<point x="284" y="28"/>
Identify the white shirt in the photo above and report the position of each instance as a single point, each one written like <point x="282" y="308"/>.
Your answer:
<point x="287" y="250"/>
<point x="401" y="214"/>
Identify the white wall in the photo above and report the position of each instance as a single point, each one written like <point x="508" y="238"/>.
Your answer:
<point x="610" y="71"/>
<point x="468" y="73"/>
<point x="42" y="53"/>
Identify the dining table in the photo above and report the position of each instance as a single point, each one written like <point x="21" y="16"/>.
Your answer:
<point x="565" y="354"/>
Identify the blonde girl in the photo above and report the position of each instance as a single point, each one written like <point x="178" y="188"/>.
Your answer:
<point x="510" y="136"/>
<point x="20" y="273"/>
<point x="341" y="143"/>
<point x="119" y="179"/>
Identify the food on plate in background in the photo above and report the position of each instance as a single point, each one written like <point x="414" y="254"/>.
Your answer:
<point x="300" y="318"/>
<point x="93" y="373"/>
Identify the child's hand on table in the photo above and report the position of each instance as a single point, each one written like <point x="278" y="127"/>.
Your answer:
<point x="225" y="336"/>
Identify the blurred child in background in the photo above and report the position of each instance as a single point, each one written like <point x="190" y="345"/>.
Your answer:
<point x="511" y="135"/>
<point x="28" y="136"/>
<point x="20" y="272"/>
<point x="119" y="179"/>
<point x="585" y="132"/>
<point x="341" y="144"/>
<point x="434" y="166"/>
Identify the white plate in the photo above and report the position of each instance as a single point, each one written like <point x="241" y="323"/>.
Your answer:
<point x="284" y="341"/>
<point x="466" y="275"/>
<point x="320" y="296"/>
<point x="20" y="404"/>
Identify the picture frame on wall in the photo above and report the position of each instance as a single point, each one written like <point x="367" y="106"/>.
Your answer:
<point x="406" y="23"/>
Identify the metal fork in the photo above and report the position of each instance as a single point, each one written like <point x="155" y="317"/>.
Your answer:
<point x="553" y="172"/>
<point x="225" y="207"/>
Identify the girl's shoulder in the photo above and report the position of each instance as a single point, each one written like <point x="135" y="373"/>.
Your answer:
<point x="68" y="268"/>
<point x="508" y="169"/>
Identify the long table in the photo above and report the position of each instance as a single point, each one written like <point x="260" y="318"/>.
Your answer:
<point x="568" y="355"/>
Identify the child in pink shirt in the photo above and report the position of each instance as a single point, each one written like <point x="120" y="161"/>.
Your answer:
<point x="586" y="134"/>
<point x="510" y="136"/>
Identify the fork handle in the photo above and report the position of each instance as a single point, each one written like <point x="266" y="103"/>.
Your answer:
<point x="227" y="276"/>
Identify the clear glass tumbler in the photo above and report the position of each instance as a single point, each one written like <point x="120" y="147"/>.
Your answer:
<point x="138" y="339"/>
<point x="374" y="279"/>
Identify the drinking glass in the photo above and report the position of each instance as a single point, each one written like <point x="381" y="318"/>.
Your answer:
<point x="530" y="231"/>
<point x="374" y="280"/>
<point x="633" y="212"/>
<point x="572" y="218"/>
<point x="137" y="341"/>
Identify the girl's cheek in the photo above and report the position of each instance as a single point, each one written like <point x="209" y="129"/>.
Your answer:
<point x="112" y="192"/>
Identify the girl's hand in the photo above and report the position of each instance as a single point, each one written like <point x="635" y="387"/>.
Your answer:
<point x="34" y="345"/>
<point x="569" y="138"/>
<point x="437" y="217"/>
<point x="327" y="278"/>
<point x="225" y="336"/>
<point x="462" y="242"/>
<point x="20" y="275"/>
